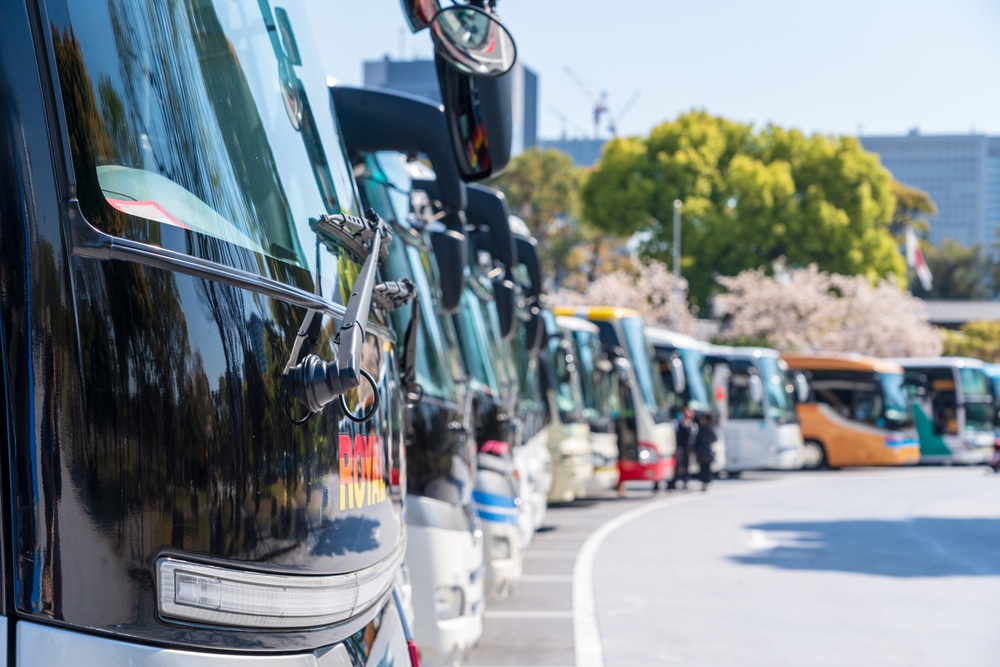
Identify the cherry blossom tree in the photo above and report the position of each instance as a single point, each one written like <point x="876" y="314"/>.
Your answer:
<point x="808" y="310"/>
<point x="648" y="287"/>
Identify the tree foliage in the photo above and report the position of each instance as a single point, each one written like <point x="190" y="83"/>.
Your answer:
<point x="960" y="272"/>
<point x="543" y="189"/>
<point x="749" y="197"/>
<point x="913" y="207"/>
<point x="980" y="340"/>
<point x="648" y="287"/>
<point x="810" y="310"/>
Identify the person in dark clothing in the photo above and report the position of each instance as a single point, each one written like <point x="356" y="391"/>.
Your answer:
<point x="703" y="442"/>
<point x="686" y="431"/>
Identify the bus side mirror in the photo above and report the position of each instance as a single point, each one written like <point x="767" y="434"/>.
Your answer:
<point x="480" y="120"/>
<point x="677" y="375"/>
<point x="473" y="41"/>
<point x="535" y="329"/>
<point x="451" y="254"/>
<point x="756" y="388"/>
<point x="801" y="383"/>
<point x="505" y="297"/>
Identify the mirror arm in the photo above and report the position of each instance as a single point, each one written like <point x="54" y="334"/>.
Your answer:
<point x="316" y="383"/>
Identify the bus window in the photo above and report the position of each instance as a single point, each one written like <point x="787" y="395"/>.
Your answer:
<point x="182" y="142"/>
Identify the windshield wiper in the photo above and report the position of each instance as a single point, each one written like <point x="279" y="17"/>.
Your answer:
<point x="353" y="234"/>
<point x="314" y="382"/>
<point x="391" y="295"/>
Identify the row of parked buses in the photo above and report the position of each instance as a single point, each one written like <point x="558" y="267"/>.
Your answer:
<point x="281" y="384"/>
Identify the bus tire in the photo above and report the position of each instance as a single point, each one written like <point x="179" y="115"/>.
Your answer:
<point x="813" y="455"/>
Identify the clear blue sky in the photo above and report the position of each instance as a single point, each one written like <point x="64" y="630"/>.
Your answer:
<point x="878" y="66"/>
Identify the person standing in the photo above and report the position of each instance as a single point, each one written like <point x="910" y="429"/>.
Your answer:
<point x="686" y="432"/>
<point x="704" y="439"/>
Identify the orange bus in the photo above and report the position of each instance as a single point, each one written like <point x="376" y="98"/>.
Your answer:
<point x="857" y="412"/>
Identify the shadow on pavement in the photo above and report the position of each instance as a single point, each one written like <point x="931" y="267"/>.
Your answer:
<point x="918" y="547"/>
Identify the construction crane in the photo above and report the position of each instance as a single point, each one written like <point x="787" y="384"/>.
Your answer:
<point x="615" y="118"/>
<point x="600" y="101"/>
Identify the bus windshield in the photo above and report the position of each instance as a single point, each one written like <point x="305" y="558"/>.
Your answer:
<point x="385" y="183"/>
<point x="895" y="403"/>
<point x="697" y="392"/>
<point x="779" y="390"/>
<point x="654" y="395"/>
<point x="587" y="362"/>
<point x="566" y="370"/>
<point x="980" y="409"/>
<point x="476" y="349"/>
<point x="198" y="125"/>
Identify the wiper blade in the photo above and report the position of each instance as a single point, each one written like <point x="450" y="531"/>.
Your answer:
<point x="392" y="294"/>
<point x="352" y="233"/>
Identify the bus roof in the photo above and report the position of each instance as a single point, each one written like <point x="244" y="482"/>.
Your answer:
<point x="840" y="361"/>
<point x="574" y="323"/>
<point x="938" y="362"/>
<point x="667" y="338"/>
<point x="596" y="313"/>
<point x="741" y="352"/>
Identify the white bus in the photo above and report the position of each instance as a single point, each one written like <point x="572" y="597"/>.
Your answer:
<point x="598" y="384"/>
<point x="694" y="383"/>
<point x="646" y="440"/>
<point x="762" y="431"/>
<point x="953" y="407"/>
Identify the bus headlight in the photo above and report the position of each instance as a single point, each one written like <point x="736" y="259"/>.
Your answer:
<point x="448" y="602"/>
<point x="648" y="455"/>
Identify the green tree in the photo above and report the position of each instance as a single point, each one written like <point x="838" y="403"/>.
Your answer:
<point x="913" y="207"/>
<point x="543" y="189"/>
<point x="980" y="340"/>
<point x="749" y="198"/>
<point x="960" y="272"/>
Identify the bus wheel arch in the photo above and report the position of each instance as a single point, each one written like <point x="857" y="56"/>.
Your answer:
<point x="813" y="455"/>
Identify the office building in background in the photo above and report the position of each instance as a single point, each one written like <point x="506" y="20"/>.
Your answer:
<point x="418" y="77"/>
<point x="961" y="173"/>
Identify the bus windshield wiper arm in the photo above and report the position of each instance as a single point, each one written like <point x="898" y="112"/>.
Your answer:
<point x="390" y="296"/>
<point x="314" y="382"/>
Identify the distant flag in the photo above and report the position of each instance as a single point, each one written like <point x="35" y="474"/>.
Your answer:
<point x="915" y="258"/>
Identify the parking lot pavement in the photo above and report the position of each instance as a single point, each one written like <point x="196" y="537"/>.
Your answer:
<point x="533" y="627"/>
<point x="868" y="567"/>
<point x="888" y="567"/>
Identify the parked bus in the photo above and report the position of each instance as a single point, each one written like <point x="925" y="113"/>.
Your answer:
<point x="763" y="429"/>
<point x="569" y="430"/>
<point x="498" y="254"/>
<point x="444" y="535"/>
<point x="645" y="430"/>
<point x="856" y="413"/>
<point x="993" y="374"/>
<point x="694" y="383"/>
<point x="205" y="458"/>
<point x="953" y="408"/>
<point x="476" y="320"/>
<point x="599" y="388"/>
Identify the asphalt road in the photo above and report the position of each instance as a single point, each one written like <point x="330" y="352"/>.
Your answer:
<point x="867" y="567"/>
